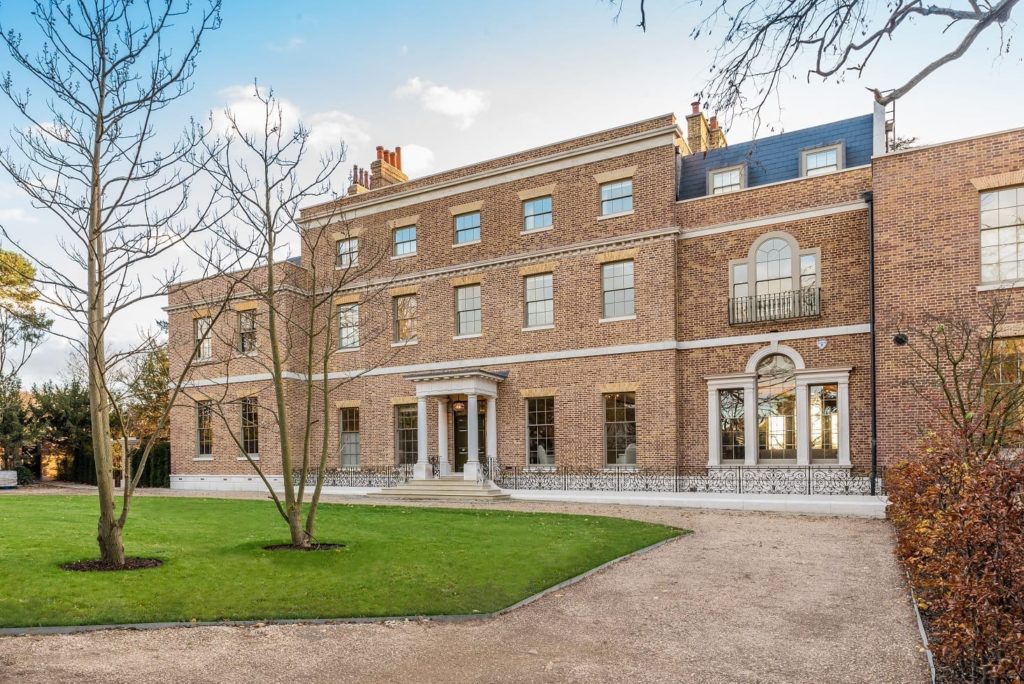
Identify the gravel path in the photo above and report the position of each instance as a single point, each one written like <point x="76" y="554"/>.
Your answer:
<point x="749" y="597"/>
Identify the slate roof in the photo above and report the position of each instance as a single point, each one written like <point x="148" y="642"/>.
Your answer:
<point x="777" y="158"/>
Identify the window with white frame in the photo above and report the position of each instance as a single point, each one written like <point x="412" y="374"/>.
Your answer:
<point x="539" y="297"/>
<point x="619" y="295"/>
<point x="467" y="228"/>
<point x="620" y="429"/>
<point x="467" y="310"/>
<point x="537" y="213"/>
<point x="540" y="431"/>
<point x="201" y="329"/>
<point x="821" y="160"/>
<point x="348" y="326"/>
<point x="404" y="241"/>
<point x="348" y="423"/>
<point x="247" y="331"/>
<point x="732" y="424"/>
<point x="250" y="426"/>
<point x="348" y="253"/>
<point x="617" y="197"/>
<point x="779" y="412"/>
<point x="406" y="434"/>
<point x="776" y="281"/>
<point x="722" y="181"/>
<point x="404" y="318"/>
<point x="204" y="427"/>
<point x="1002" y="235"/>
<point x="776" y="409"/>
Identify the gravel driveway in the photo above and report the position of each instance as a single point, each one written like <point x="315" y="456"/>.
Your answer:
<point x="749" y="597"/>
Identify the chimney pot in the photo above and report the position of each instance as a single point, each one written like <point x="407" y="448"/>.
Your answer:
<point x="696" y="106"/>
<point x="380" y="152"/>
<point x="398" y="157"/>
<point x="713" y="122"/>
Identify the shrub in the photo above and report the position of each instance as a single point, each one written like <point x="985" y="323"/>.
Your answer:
<point x="25" y="475"/>
<point x="960" y="526"/>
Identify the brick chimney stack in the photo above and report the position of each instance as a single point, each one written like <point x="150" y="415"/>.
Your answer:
<point x="387" y="168"/>
<point x="701" y="135"/>
<point x="360" y="180"/>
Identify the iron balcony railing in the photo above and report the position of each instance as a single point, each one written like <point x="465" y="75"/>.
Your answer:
<point x="775" y="307"/>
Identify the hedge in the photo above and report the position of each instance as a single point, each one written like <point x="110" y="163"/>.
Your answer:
<point x="81" y="468"/>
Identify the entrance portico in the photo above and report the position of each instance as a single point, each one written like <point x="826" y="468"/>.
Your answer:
<point x="473" y="383"/>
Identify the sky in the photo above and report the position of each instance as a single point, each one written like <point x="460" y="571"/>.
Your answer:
<point x="460" y="81"/>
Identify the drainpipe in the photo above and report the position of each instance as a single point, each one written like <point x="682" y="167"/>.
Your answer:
<point x="872" y="369"/>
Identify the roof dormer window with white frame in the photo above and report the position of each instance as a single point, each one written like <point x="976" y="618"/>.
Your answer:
<point x="821" y="160"/>
<point x="727" y="179"/>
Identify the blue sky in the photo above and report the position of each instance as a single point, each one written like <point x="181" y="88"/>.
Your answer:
<point x="458" y="81"/>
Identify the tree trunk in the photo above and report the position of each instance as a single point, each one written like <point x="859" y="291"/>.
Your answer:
<point x="109" y="537"/>
<point x="299" y="537"/>
<point x="109" y="531"/>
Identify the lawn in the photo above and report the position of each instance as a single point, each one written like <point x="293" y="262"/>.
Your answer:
<point x="396" y="561"/>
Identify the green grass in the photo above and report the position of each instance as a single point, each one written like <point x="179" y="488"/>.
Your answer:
<point x="397" y="561"/>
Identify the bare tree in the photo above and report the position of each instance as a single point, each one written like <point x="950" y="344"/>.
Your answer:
<point x="762" y="41"/>
<point x="288" y="320"/>
<point x="86" y="152"/>
<point x="970" y="376"/>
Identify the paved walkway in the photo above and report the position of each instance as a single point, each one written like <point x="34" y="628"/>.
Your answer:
<point x="749" y="597"/>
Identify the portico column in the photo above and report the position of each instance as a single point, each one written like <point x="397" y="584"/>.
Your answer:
<point x="442" y="437"/>
<point x="422" y="470"/>
<point x="803" y="423"/>
<point x="472" y="467"/>
<point x="492" y="430"/>
<point x="844" y="421"/>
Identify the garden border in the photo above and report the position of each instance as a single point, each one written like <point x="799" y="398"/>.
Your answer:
<point x="465" y="617"/>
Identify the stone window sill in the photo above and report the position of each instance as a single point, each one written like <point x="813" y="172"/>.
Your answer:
<point x="396" y="257"/>
<point x="346" y="350"/>
<point x="467" y="337"/>
<point x="605" y="217"/>
<point x="539" y="327"/>
<point x="466" y="244"/>
<point x="536" y="230"/>
<point x="615" y="319"/>
<point x="405" y="343"/>
<point x="1003" y="285"/>
<point x="202" y="458"/>
<point x="251" y="457"/>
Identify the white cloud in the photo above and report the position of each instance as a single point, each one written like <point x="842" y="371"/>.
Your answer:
<point x="463" y="104"/>
<point x="327" y="129"/>
<point x="16" y="216"/>
<point x="290" y="45"/>
<point x="417" y="159"/>
<point x="248" y="111"/>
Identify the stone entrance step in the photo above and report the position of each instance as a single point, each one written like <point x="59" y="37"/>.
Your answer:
<point x="449" y="487"/>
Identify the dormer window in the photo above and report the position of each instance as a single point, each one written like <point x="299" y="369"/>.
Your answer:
<point x="730" y="179"/>
<point x="821" y="160"/>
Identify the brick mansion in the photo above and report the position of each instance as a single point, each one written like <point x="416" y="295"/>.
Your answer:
<point x="646" y="307"/>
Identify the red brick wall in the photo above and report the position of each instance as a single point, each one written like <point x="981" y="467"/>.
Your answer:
<point x="928" y="263"/>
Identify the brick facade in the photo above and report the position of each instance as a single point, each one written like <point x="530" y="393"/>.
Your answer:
<point x="681" y="337"/>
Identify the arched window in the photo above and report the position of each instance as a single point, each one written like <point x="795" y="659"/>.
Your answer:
<point x="774" y="263"/>
<point x="776" y="408"/>
<point x="777" y="280"/>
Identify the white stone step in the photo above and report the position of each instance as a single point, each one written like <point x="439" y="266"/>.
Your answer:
<point x="451" y="487"/>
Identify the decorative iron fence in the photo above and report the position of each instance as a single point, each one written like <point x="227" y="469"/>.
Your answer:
<point x="775" y="307"/>
<point x="372" y="476"/>
<point x="723" y="480"/>
<point x="720" y="480"/>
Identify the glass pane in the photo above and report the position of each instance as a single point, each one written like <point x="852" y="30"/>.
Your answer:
<point x="824" y="406"/>
<point x="776" y="408"/>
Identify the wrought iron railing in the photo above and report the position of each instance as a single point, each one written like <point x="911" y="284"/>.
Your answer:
<point x="775" y="307"/>
<point x="787" y="479"/>
<point x="365" y="476"/>
<point x="719" y="480"/>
